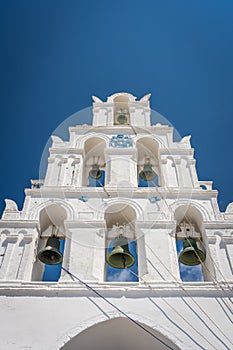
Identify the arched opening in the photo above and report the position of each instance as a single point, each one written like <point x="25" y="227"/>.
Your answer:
<point x="94" y="162"/>
<point x="191" y="244"/>
<point x="121" y="110"/>
<point x="51" y="244"/>
<point x="148" y="165"/>
<point x="121" y="252"/>
<point x="119" y="333"/>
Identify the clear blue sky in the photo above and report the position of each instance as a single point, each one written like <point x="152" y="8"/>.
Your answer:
<point x="56" y="54"/>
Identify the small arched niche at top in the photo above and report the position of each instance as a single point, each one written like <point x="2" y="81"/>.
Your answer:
<point x="121" y="110"/>
<point x="94" y="159"/>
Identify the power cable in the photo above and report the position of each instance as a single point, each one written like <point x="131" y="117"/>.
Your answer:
<point x="205" y="267"/>
<point x="195" y="252"/>
<point x="116" y="307"/>
<point x="133" y="130"/>
<point x="217" y="268"/>
<point x="194" y="301"/>
<point x="210" y="274"/>
<point x="201" y="262"/>
<point x="100" y="183"/>
<point x="180" y="285"/>
<point x="166" y="302"/>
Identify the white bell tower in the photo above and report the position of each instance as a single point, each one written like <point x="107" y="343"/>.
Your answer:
<point x="120" y="246"/>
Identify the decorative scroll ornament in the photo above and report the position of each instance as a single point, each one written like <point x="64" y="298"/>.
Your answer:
<point x="121" y="141"/>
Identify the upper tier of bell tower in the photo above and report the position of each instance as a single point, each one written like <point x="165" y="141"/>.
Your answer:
<point x="121" y="109"/>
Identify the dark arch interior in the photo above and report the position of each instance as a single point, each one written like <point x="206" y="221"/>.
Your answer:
<point x="119" y="333"/>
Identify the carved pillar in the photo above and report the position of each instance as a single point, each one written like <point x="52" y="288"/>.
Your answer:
<point x="185" y="175"/>
<point x="193" y="171"/>
<point x="168" y="168"/>
<point x="173" y="254"/>
<point x="212" y="270"/>
<point x="61" y="171"/>
<point x="229" y="252"/>
<point x="50" y="172"/>
<point x="163" y="172"/>
<point x="8" y="247"/>
<point x="75" y="180"/>
<point x="226" y="258"/>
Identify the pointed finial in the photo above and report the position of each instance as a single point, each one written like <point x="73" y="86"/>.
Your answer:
<point x="11" y="205"/>
<point x="145" y="98"/>
<point x="96" y="99"/>
<point x="186" y="139"/>
<point x="56" y="139"/>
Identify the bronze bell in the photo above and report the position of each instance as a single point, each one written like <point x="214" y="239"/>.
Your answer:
<point x="147" y="174"/>
<point x="120" y="256"/>
<point x="95" y="172"/>
<point x="51" y="254"/>
<point x="190" y="254"/>
<point x="122" y="118"/>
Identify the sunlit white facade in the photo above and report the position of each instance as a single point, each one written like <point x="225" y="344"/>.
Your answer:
<point x="157" y="309"/>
